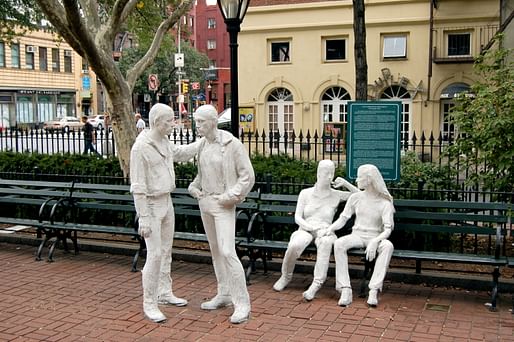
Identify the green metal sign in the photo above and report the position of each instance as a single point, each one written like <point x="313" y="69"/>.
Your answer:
<point x="374" y="137"/>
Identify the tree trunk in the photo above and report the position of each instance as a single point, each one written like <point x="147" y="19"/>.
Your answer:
<point x="361" y="65"/>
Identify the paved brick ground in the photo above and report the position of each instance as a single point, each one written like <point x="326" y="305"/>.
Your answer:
<point x="94" y="297"/>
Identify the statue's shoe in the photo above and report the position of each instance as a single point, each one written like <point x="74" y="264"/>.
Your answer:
<point x="217" y="302"/>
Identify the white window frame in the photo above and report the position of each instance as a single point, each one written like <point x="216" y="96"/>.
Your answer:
<point x="286" y="58"/>
<point x="211" y="44"/>
<point x="455" y="33"/>
<point x="211" y="23"/>
<point x="325" y="48"/>
<point x="394" y="46"/>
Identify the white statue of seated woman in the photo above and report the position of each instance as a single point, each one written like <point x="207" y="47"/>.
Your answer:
<point x="374" y="220"/>
<point x="314" y="213"/>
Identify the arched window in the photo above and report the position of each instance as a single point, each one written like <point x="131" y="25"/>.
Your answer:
<point x="334" y="105"/>
<point x="399" y="93"/>
<point x="447" y="103"/>
<point x="280" y="111"/>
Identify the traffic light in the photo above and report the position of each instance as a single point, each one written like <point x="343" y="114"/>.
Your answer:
<point x="185" y="87"/>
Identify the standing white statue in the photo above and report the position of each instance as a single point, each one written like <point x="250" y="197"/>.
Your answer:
<point x="152" y="179"/>
<point x="315" y="212"/>
<point x="374" y="221"/>
<point x="225" y="176"/>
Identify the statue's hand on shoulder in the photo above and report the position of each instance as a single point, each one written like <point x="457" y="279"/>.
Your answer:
<point x="145" y="227"/>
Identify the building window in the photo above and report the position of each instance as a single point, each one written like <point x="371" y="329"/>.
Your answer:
<point x="334" y="107"/>
<point x="43" y="59"/>
<point x="211" y="44"/>
<point x="211" y="23"/>
<point x="56" y="65"/>
<point x="29" y="57"/>
<point x="2" y="55"/>
<point x="67" y="60"/>
<point x="447" y="126"/>
<point x="15" y="55"/>
<point x="399" y="93"/>
<point x="335" y="49"/>
<point x="395" y="46"/>
<point x="459" y="44"/>
<point x="280" y="114"/>
<point x="280" y="52"/>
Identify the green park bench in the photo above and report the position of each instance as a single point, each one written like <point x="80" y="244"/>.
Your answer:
<point x="425" y="231"/>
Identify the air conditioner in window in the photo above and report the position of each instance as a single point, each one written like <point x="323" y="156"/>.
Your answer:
<point x="30" y="49"/>
<point x="67" y="53"/>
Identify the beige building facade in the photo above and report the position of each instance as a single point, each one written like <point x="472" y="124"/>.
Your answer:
<point x="42" y="78"/>
<point x="297" y="62"/>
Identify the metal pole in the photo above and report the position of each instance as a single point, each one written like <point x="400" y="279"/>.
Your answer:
<point x="180" y="100"/>
<point x="233" y="28"/>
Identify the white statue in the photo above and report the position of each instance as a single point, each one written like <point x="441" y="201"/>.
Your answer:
<point x="152" y="179"/>
<point x="374" y="221"/>
<point x="225" y="176"/>
<point x="315" y="212"/>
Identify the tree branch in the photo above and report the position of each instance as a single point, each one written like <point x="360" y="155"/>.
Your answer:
<point x="148" y="59"/>
<point x="56" y="14"/>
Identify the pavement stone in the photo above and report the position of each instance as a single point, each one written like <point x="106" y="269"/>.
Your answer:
<point x="94" y="297"/>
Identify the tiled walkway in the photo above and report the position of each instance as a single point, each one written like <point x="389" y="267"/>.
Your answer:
<point x="94" y="297"/>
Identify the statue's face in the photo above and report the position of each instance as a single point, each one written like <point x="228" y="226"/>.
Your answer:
<point x="362" y="179"/>
<point x="166" y="124"/>
<point x="204" y="125"/>
<point x="325" y="175"/>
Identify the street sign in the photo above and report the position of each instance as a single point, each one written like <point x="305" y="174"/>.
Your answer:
<point x="374" y="137"/>
<point x="179" y="60"/>
<point x="153" y="82"/>
<point x="195" y="85"/>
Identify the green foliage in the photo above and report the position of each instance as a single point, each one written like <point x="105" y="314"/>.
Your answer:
<point x="485" y="121"/>
<point x="64" y="164"/>
<point x="164" y="67"/>
<point x="432" y="175"/>
<point x="17" y="17"/>
<point x="283" y="168"/>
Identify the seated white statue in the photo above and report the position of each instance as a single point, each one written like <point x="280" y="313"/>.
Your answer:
<point x="314" y="214"/>
<point x="374" y="221"/>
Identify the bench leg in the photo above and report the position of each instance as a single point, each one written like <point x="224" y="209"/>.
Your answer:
<point x="494" y="292"/>
<point x="40" y="248"/>
<point x="51" y="250"/>
<point x="139" y="252"/>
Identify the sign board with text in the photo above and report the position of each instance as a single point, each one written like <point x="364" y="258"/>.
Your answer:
<point x="374" y="137"/>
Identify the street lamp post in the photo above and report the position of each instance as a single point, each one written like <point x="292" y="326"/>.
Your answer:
<point x="233" y="12"/>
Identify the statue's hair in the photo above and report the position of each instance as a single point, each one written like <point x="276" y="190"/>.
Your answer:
<point x="157" y="111"/>
<point x="376" y="180"/>
<point x="328" y="164"/>
<point x="207" y="111"/>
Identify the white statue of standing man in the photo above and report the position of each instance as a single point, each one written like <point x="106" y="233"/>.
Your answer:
<point x="315" y="212"/>
<point x="152" y="179"/>
<point x="374" y="221"/>
<point x="225" y="176"/>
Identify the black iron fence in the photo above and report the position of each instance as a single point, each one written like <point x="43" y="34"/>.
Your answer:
<point x="299" y="146"/>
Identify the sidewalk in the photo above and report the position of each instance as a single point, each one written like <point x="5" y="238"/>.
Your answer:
<point x="94" y="297"/>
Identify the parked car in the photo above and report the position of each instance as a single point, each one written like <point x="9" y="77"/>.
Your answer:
<point x="65" y="124"/>
<point x="97" y="121"/>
